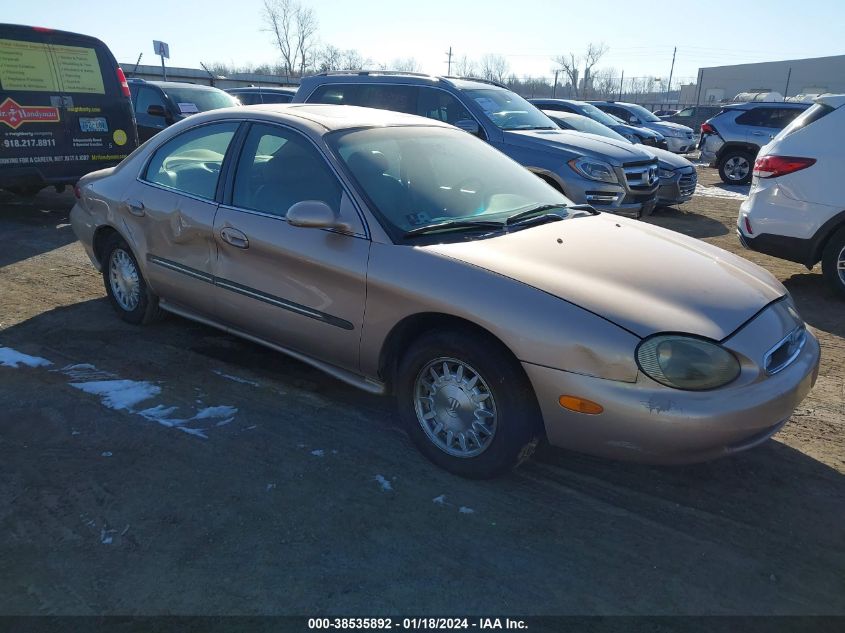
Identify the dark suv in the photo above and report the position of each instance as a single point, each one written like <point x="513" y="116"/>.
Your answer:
<point x="159" y="104"/>
<point x="731" y="139"/>
<point x="253" y="95"/>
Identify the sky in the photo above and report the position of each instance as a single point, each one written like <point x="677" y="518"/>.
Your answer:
<point x="640" y="36"/>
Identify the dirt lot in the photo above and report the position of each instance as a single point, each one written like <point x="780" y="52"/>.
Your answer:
<point x="303" y="497"/>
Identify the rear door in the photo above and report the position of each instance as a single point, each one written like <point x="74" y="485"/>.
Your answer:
<point x="170" y="212"/>
<point x="300" y="288"/>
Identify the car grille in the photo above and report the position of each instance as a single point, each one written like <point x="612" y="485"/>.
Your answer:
<point x="687" y="184"/>
<point x="641" y="176"/>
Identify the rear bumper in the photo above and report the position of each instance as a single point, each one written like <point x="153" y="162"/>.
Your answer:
<point x="647" y="423"/>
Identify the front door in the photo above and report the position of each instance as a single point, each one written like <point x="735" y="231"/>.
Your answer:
<point x="301" y="288"/>
<point x="171" y="214"/>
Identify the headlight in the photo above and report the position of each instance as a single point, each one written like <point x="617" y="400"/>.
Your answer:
<point x="672" y="133"/>
<point x="684" y="362"/>
<point x="594" y="169"/>
<point x="664" y="171"/>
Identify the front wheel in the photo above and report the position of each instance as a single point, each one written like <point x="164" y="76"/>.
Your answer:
<point x="833" y="262"/>
<point x="736" y="167"/>
<point x="467" y="404"/>
<point x="125" y="285"/>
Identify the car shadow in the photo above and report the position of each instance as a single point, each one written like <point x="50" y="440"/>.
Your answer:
<point x="34" y="225"/>
<point x="814" y="297"/>
<point x="687" y="222"/>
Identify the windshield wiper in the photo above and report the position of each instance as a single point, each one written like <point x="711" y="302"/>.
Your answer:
<point x="456" y="225"/>
<point x="528" y="213"/>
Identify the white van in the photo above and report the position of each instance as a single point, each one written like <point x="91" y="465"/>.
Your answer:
<point x="796" y="207"/>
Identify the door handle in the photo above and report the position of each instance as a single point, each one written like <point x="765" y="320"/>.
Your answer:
<point x="136" y="207"/>
<point x="234" y="237"/>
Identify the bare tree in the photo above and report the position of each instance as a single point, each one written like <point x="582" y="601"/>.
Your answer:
<point x="494" y="68"/>
<point x="406" y="64"/>
<point x="329" y="58"/>
<point x="605" y="82"/>
<point x="592" y="57"/>
<point x="569" y="66"/>
<point x="465" y="67"/>
<point x="353" y="60"/>
<point x="294" y="29"/>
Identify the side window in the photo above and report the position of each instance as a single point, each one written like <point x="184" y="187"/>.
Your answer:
<point x="390" y="97"/>
<point x="622" y="113"/>
<point x="337" y="94"/>
<point x="278" y="168"/>
<point x="191" y="162"/>
<point x="781" y="117"/>
<point x="247" y="98"/>
<point x="147" y="97"/>
<point x="440" y="105"/>
<point x="757" y="117"/>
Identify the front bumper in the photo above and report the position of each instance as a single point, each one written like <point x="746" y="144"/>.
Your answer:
<point x="680" y="145"/>
<point x="645" y="422"/>
<point x="613" y="198"/>
<point x="678" y="189"/>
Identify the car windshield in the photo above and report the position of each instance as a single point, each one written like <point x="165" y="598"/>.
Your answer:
<point x="509" y="111"/>
<point x="597" y="115"/>
<point x="421" y="176"/>
<point x="642" y="113"/>
<point x="191" y="100"/>
<point x="584" y="124"/>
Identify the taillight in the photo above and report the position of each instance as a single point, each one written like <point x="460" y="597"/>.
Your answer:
<point x="774" y="166"/>
<point x="121" y="79"/>
<point x="706" y="128"/>
<point x="77" y="192"/>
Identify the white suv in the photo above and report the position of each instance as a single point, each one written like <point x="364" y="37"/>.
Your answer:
<point x="796" y="207"/>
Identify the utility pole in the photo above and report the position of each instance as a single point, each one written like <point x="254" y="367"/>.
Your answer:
<point x="621" y="82"/>
<point x="671" y="71"/>
<point x="554" y="88"/>
<point x="449" y="62"/>
<point x="786" y="90"/>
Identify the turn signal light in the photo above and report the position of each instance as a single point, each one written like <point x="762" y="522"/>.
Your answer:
<point x="580" y="405"/>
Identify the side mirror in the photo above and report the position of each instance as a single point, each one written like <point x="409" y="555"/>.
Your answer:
<point x="156" y="110"/>
<point x="468" y="125"/>
<point x="315" y="214"/>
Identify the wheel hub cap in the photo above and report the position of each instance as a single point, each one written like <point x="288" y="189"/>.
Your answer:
<point x="737" y="168"/>
<point x="455" y="407"/>
<point x="840" y="265"/>
<point x="124" y="280"/>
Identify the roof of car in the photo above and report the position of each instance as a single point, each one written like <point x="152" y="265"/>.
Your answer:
<point x="747" y="105"/>
<point x="282" y="89"/>
<point x="384" y="76"/>
<point x="340" y="117"/>
<point x="177" y="84"/>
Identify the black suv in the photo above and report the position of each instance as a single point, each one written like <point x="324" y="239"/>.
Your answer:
<point x="159" y="104"/>
<point x="252" y="95"/>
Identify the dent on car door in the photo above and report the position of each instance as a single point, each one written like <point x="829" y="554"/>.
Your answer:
<point x="170" y="213"/>
<point x="301" y="288"/>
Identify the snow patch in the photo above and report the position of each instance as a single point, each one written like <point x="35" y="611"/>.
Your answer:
<point x="13" y="358"/>
<point x="718" y="192"/>
<point x="106" y="454"/>
<point x="119" y="394"/>
<point x="385" y="485"/>
<point x="85" y="372"/>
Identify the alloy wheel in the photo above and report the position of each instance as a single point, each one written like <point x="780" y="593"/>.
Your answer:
<point x="124" y="280"/>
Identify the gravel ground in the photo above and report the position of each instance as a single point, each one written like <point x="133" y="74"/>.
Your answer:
<point x="223" y="478"/>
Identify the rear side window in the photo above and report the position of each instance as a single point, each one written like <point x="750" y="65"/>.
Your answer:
<point x="337" y="94"/>
<point x="440" y="105"/>
<point x="191" y="162"/>
<point x="247" y="98"/>
<point x="55" y="68"/>
<point x="808" y="117"/>
<point x="275" y="97"/>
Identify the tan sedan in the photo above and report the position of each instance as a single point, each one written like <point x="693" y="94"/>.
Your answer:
<point x="406" y="256"/>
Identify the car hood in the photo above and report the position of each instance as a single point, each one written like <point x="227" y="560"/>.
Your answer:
<point x="642" y="132"/>
<point x="675" y="161"/>
<point x="643" y="278"/>
<point x="577" y="144"/>
<point x="668" y="125"/>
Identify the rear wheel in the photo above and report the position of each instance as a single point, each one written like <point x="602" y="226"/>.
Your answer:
<point x="736" y="167"/>
<point x="467" y="404"/>
<point x="125" y="285"/>
<point x="833" y="261"/>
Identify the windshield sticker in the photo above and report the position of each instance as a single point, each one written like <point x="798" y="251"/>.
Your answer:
<point x="14" y="115"/>
<point x="188" y="108"/>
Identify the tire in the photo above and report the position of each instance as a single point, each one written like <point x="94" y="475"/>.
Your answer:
<point x="501" y="441"/>
<point x="128" y="293"/>
<point x="736" y="167"/>
<point x="833" y="262"/>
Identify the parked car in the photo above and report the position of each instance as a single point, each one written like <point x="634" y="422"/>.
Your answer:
<point x="731" y="139"/>
<point x="693" y="116"/>
<point x="612" y="176"/>
<point x="253" y="95"/>
<point x="679" y="138"/>
<point x="631" y="133"/>
<point x="403" y="255"/>
<point x="678" y="177"/>
<point x="159" y="104"/>
<point x="796" y="207"/>
<point x="665" y="112"/>
<point x="64" y="108"/>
